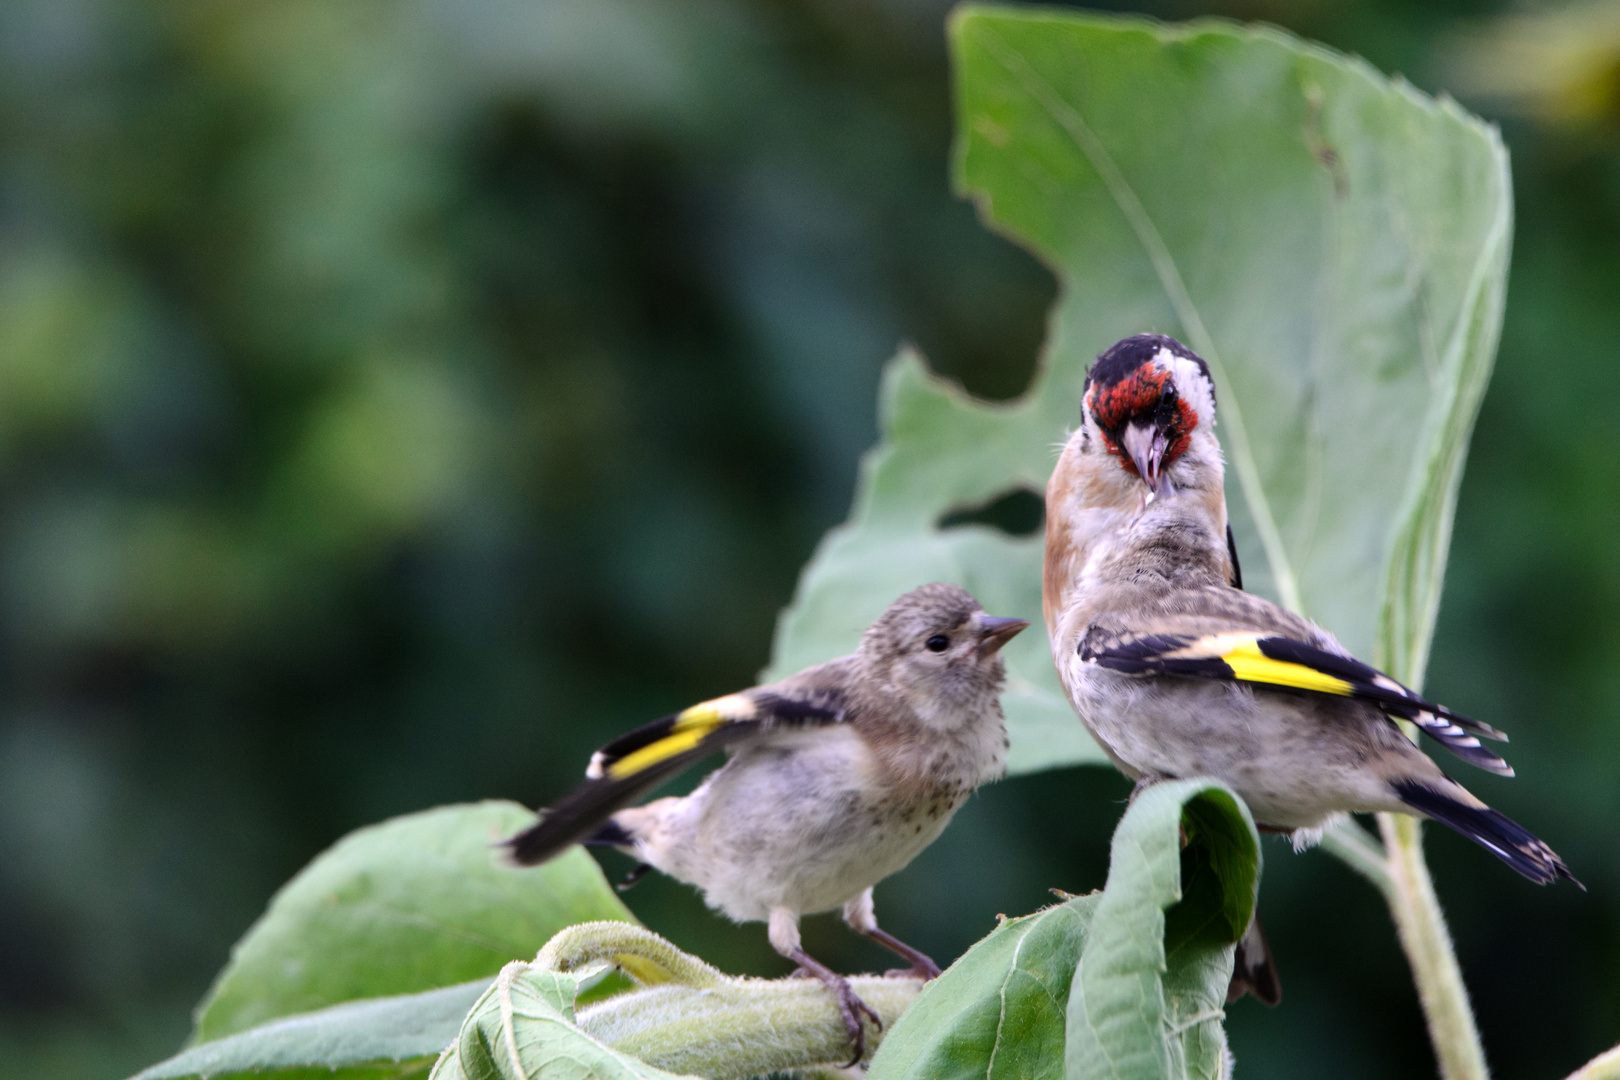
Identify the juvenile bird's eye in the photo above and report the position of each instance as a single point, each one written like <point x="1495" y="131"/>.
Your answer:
<point x="938" y="643"/>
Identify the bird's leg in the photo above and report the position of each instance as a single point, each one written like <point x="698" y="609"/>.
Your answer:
<point x="858" y="913"/>
<point x="784" y="935"/>
<point x="849" y="1003"/>
<point x="922" y="966"/>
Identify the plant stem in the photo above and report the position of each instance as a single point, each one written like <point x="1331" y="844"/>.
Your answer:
<point x="690" y="1018"/>
<point x="1606" y="1066"/>
<point x="1422" y="929"/>
<point x="745" y="1028"/>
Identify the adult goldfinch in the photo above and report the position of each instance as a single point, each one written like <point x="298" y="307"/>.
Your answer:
<point x="1178" y="673"/>
<point x="838" y="777"/>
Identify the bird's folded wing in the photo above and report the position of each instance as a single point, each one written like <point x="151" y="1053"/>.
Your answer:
<point x="1279" y="660"/>
<point x="633" y="764"/>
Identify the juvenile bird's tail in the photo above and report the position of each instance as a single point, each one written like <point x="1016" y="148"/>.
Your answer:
<point x="542" y="841"/>
<point x="583" y="815"/>
<point x="577" y="820"/>
<point x="1497" y="833"/>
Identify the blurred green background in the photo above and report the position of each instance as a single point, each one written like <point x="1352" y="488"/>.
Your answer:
<point x="396" y="400"/>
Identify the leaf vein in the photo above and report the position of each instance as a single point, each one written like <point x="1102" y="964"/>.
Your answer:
<point x="1001" y="1017"/>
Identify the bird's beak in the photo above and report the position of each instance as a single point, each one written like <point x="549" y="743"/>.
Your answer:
<point x="994" y="632"/>
<point x="1146" y="444"/>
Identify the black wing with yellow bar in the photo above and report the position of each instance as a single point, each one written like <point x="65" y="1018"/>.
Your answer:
<point x="1289" y="664"/>
<point x="635" y="763"/>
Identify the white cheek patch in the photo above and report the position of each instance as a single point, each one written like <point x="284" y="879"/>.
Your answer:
<point x="1191" y="383"/>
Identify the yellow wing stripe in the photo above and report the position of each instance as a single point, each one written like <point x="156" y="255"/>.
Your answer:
<point x="653" y="753"/>
<point x="691" y="727"/>
<point x="1242" y="654"/>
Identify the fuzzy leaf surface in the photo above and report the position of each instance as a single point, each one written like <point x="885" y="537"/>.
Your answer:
<point x="999" y="1012"/>
<point x="523" y="1029"/>
<point x="685" y="1017"/>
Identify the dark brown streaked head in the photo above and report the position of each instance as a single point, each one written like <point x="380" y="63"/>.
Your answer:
<point x="938" y="650"/>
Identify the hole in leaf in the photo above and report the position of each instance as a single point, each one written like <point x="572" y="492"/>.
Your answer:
<point x="1019" y="512"/>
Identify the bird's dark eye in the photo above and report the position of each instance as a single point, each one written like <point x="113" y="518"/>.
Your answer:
<point x="938" y="643"/>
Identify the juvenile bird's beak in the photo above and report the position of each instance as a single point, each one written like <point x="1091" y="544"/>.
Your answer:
<point x="994" y="632"/>
<point x="1146" y="444"/>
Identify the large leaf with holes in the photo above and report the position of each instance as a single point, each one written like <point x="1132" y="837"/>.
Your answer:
<point x="1331" y="241"/>
<point x="415" y="903"/>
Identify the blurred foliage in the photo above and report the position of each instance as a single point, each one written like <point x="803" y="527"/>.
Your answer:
<point x="397" y="400"/>
<point x="1560" y="66"/>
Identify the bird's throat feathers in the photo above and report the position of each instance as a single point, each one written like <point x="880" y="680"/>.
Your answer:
<point x="1143" y="473"/>
<point x="954" y="741"/>
<point x="1100" y="526"/>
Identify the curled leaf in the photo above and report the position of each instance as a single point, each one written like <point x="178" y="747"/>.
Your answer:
<point x="1122" y="984"/>
<point x="1149" y="993"/>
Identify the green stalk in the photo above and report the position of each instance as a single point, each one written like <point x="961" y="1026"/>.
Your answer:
<point x="685" y="1018"/>
<point x="1606" y="1066"/>
<point x="1397" y="868"/>
<point x="1422" y="928"/>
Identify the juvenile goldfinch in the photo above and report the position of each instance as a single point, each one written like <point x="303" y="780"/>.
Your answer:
<point x="1178" y="673"/>
<point x="838" y="777"/>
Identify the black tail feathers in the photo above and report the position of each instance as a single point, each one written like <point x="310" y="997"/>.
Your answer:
<point x="1253" y="970"/>
<point x="567" y="823"/>
<point x="1498" y="834"/>
<point x="538" y="843"/>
